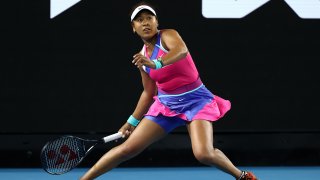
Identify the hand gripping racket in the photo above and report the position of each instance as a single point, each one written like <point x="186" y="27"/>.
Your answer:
<point x="65" y="153"/>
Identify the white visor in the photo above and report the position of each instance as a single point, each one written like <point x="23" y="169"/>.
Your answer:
<point x="140" y="8"/>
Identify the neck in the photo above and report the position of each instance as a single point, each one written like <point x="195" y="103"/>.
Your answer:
<point x="152" y="41"/>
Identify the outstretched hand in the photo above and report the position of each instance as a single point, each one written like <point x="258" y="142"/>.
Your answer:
<point x="139" y="60"/>
<point x="126" y="130"/>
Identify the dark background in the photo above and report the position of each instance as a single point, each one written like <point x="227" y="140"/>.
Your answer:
<point x="73" y="75"/>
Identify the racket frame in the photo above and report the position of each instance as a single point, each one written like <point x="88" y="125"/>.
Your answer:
<point x="103" y="140"/>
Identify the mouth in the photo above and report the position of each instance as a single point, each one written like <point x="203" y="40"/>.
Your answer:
<point x="146" y="30"/>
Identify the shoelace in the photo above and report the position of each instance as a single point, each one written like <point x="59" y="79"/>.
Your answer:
<point x="243" y="173"/>
<point x="246" y="176"/>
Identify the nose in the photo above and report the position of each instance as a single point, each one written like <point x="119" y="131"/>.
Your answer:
<point x="145" y="22"/>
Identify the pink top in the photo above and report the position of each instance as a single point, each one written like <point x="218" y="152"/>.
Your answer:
<point x="176" y="83"/>
<point x="172" y="76"/>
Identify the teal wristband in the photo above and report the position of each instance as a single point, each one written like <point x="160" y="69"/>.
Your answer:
<point x="157" y="63"/>
<point x="160" y="60"/>
<point x="133" y="121"/>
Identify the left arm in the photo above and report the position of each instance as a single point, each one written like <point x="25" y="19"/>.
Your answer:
<point x="172" y="41"/>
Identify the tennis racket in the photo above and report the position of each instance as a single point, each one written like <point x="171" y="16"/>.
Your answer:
<point x="65" y="153"/>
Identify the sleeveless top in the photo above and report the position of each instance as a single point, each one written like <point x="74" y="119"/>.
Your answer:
<point x="172" y="76"/>
<point x="180" y="90"/>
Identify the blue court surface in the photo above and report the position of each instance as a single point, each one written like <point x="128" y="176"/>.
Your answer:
<point x="168" y="173"/>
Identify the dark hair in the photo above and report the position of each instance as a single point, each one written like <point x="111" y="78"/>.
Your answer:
<point x="139" y="4"/>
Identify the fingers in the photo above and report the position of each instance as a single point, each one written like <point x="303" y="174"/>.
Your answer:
<point x="127" y="133"/>
<point x="140" y="60"/>
<point x="126" y="130"/>
<point x="136" y="58"/>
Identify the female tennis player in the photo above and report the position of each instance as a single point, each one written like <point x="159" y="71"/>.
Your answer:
<point x="173" y="96"/>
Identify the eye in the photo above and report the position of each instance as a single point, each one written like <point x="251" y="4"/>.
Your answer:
<point x="139" y="19"/>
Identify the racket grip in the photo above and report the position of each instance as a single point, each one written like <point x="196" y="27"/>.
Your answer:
<point x="112" y="137"/>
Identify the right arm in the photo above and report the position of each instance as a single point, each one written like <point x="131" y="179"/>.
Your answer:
<point x="145" y="101"/>
<point x="146" y="98"/>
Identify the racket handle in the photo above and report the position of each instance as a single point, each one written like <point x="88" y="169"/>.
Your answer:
<point x="112" y="137"/>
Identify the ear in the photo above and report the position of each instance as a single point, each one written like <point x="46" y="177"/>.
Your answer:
<point x="133" y="29"/>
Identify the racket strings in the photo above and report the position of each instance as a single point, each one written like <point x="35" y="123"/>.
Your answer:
<point x="62" y="155"/>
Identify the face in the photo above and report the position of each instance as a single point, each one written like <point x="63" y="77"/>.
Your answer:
<point x="145" y="25"/>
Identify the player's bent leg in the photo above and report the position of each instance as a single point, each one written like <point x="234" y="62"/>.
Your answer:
<point x="146" y="133"/>
<point x="201" y="135"/>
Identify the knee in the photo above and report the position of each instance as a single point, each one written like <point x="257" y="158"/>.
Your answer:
<point x="128" y="151"/>
<point x="204" y="155"/>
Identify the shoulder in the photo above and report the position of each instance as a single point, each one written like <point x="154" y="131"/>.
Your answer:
<point x="170" y="35"/>
<point x="170" y="38"/>
<point x="168" y="32"/>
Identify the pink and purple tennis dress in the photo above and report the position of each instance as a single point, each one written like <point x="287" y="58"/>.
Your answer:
<point x="182" y="97"/>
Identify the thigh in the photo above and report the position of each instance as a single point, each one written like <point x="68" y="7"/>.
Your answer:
<point x="201" y="134"/>
<point x="146" y="133"/>
<point x="167" y="123"/>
